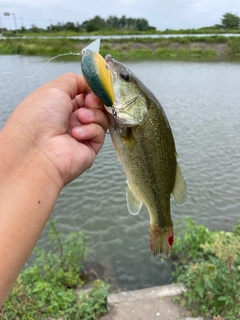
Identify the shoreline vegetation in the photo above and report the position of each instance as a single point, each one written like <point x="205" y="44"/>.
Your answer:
<point x="214" y="47"/>
<point x="206" y="262"/>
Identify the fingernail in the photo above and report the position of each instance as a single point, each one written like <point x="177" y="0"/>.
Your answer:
<point x="79" y="130"/>
<point x="89" y="113"/>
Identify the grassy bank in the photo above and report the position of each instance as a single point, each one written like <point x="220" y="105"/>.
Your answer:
<point x="131" y="49"/>
<point x="208" y="264"/>
<point x="51" y="287"/>
<point x="113" y="31"/>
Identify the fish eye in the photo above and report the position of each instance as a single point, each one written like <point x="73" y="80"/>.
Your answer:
<point x="124" y="75"/>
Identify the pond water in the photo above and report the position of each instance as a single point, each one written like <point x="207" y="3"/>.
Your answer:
<point x="202" y="102"/>
<point x="131" y="36"/>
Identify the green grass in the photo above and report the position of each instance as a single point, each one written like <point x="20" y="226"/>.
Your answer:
<point x="117" y="54"/>
<point x="140" y="54"/>
<point x="184" y="53"/>
<point x="128" y="49"/>
<point x="111" y="31"/>
<point x="208" y="264"/>
<point x="165" y="53"/>
<point x="47" y="288"/>
<point x="234" y="46"/>
<point x="43" y="47"/>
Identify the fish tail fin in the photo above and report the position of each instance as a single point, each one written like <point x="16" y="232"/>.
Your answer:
<point x="161" y="240"/>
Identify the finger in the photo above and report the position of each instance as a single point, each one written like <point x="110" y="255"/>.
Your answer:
<point x="88" y="100"/>
<point x="92" y="134"/>
<point x="90" y="115"/>
<point x="78" y="102"/>
<point x="93" y="101"/>
<point x="73" y="122"/>
<point x="70" y="83"/>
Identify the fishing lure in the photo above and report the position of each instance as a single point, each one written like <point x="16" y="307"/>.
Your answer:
<point x="97" y="75"/>
<point x="94" y="69"/>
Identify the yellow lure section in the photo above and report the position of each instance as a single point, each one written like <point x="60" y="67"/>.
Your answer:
<point x="98" y="76"/>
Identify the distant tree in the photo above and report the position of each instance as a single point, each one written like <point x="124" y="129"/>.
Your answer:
<point x="91" y="26"/>
<point x="56" y="27"/>
<point x="152" y="28"/>
<point x="216" y="26"/>
<point x="142" y="24"/>
<point x="34" y="28"/>
<point x="79" y="26"/>
<point x="95" y="24"/>
<point x="98" y="24"/>
<point x="230" y="21"/>
<point x="112" y="22"/>
<point x="122" y="22"/>
<point x="69" y="26"/>
<point x="50" y="28"/>
<point x="131" y="23"/>
<point x="23" y="29"/>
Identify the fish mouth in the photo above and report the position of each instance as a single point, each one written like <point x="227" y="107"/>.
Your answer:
<point x="110" y="61"/>
<point x="126" y="105"/>
<point x="120" y="119"/>
<point x="118" y="106"/>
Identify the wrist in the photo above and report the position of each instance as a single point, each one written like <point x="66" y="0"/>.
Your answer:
<point x="28" y="192"/>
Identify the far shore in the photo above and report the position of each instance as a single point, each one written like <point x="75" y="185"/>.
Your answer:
<point x="184" y="47"/>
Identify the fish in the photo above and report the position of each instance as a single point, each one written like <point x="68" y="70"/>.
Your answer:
<point x="145" y="146"/>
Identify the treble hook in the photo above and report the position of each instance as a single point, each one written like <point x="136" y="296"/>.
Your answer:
<point x="114" y="116"/>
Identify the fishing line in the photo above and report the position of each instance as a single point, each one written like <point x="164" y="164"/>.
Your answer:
<point x="32" y="76"/>
<point x="93" y="46"/>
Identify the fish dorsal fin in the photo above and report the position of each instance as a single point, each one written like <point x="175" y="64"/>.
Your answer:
<point x="133" y="203"/>
<point x="179" y="191"/>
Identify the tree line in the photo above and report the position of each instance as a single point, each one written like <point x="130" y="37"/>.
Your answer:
<point x="98" y="24"/>
<point x="228" y="21"/>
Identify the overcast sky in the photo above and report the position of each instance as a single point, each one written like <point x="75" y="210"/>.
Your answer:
<point x="162" y="14"/>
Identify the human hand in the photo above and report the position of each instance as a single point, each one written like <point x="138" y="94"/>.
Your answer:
<point x="51" y="137"/>
<point x="60" y="127"/>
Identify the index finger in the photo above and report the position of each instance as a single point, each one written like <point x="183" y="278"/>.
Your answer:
<point x="87" y="101"/>
<point x="70" y="83"/>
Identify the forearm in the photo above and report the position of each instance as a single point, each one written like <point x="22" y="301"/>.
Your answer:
<point x="51" y="137"/>
<point x="28" y="192"/>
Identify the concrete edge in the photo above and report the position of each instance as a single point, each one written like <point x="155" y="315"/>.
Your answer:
<point x="148" y="293"/>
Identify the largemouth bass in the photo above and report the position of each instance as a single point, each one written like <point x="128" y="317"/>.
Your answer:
<point x="144" y="143"/>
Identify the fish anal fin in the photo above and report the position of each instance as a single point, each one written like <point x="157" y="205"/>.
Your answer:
<point x="161" y="240"/>
<point x="133" y="203"/>
<point x="179" y="191"/>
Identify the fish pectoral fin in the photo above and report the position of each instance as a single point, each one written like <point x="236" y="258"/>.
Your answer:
<point x="133" y="203"/>
<point x="179" y="191"/>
